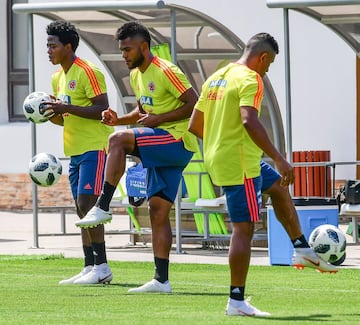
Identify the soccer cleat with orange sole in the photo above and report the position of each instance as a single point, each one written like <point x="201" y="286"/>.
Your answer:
<point x="306" y="257"/>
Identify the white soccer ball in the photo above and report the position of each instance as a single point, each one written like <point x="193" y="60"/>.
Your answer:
<point x="329" y="242"/>
<point x="34" y="106"/>
<point x="45" y="169"/>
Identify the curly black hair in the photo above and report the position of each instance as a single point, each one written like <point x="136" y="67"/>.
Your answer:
<point x="66" y="32"/>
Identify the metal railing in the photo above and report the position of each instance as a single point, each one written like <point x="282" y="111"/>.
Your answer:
<point x="326" y="165"/>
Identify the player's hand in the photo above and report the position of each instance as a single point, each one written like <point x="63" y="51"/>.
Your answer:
<point x="49" y="113"/>
<point x="286" y="171"/>
<point x="52" y="108"/>
<point x="149" y="120"/>
<point x="109" y="117"/>
<point x="56" y="107"/>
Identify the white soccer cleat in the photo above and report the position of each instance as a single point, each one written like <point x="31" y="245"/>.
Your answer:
<point x="94" y="217"/>
<point x="244" y="308"/>
<point x="85" y="270"/>
<point x="100" y="274"/>
<point x="306" y="257"/>
<point x="153" y="286"/>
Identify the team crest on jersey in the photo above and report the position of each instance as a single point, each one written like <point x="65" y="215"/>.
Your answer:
<point x="72" y="84"/>
<point x="146" y="100"/>
<point x="151" y="86"/>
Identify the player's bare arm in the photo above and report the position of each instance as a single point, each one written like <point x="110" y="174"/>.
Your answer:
<point x="189" y="99"/>
<point x="258" y="134"/>
<point x="99" y="104"/>
<point x="196" y="124"/>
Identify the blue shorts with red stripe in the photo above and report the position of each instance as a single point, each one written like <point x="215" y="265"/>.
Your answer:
<point x="86" y="173"/>
<point x="244" y="201"/>
<point x="165" y="158"/>
<point x="269" y="176"/>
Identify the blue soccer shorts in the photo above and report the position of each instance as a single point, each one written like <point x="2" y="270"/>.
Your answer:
<point x="269" y="176"/>
<point x="165" y="158"/>
<point x="244" y="201"/>
<point x="86" y="173"/>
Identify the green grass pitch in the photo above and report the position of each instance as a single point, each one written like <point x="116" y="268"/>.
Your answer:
<point x="30" y="294"/>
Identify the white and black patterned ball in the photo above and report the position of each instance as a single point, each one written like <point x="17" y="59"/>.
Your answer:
<point x="34" y="107"/>
<point x="45" y="169"/>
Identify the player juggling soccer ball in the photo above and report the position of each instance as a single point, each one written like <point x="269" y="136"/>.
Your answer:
<point x="226" y="117"/>
<point x="80" y="89"/>
<point x="165" y="101"/>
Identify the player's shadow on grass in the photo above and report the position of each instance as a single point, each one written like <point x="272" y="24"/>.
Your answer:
<point x="174" y="292"/>
<point x="312" y="318"/>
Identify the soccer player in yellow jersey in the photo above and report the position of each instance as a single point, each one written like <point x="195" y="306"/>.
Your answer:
<point x="226" y="117"/>
<point x="165" y="101"/>
<point x="80" y="89"/>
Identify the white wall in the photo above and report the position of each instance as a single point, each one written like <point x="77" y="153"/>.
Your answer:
<point x="322" y="72"/>
<point x="323" y="76"/>
<point x="3" y="60"/>
<point x="16" y="137"/>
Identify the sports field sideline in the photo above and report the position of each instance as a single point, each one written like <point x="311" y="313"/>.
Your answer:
<point x="16" y="238"/>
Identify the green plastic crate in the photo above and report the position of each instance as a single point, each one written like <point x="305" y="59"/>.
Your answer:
<point x="349" y="229"/>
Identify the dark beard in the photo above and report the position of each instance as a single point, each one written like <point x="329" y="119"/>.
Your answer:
<point x="139" y="61"/>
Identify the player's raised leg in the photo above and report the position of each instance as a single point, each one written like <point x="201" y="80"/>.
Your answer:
<point x="120" y="144"/>
<point x="285" y="211"/>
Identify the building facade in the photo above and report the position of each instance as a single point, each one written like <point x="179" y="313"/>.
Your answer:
<point x="323" y="76"/>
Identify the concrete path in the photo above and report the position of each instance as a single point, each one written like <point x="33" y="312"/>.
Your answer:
<point x="17" y="238"/>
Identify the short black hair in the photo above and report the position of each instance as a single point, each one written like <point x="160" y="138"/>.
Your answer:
<point x="133" y="29"/>
<point x="66" y="32"/>
<point x="262" y="42"/>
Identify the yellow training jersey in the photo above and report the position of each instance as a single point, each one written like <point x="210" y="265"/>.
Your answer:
<point x="82" y="82"/>
<point x="158" y="90"/>
<point x="229" y="152"/>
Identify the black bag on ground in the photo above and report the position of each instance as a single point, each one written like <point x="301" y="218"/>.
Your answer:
<point x="352" y="191"/>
